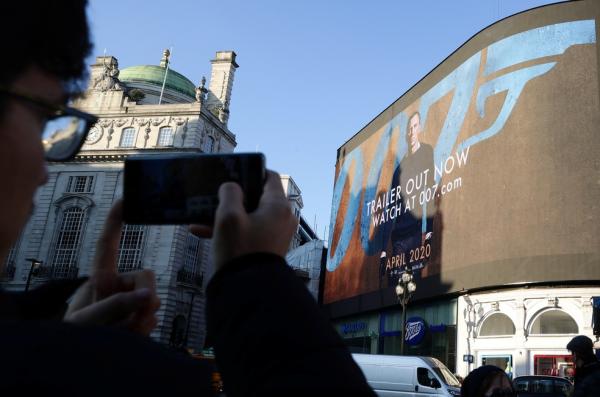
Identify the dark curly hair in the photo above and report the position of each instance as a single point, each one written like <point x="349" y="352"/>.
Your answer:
<point x="52" y="35"/>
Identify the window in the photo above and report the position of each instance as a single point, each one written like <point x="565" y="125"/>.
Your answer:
<point x="190" y="272"/>
<point x="127" y="137"/>
<point x="8" y="271"/>
<point x="193" y="251"/>
<point x="165" y="136"/>
<point x="64" y="259"/>
<point x="209" y="144"/>
<point x="497" y="324"/>
<point x="80" y="184"/>
<point x="425" y="377"/>
<point x="554" y="322"/>
<point x="130" y="248"/>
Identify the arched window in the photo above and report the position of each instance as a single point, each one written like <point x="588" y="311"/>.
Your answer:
<point x="66" y="249"/>
<point x="209" y="144"/>
<point x="554" y="322"/>
<point x="165" y="136"/>
<point x="131" y="247"/>
<point x="497" y="324"/>
<point x="127" y="137"/>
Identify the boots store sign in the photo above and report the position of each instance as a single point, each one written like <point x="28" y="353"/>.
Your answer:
<point x="415" y="331"/>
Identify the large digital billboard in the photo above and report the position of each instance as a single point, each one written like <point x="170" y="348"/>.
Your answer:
<point x="487" y="172"/>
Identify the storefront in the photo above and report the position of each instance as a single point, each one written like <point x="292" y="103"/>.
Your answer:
<point x="524" y="331"/>
<point x="431" y="331"/>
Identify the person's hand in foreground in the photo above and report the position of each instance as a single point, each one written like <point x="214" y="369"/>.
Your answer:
<point x="127" y="300"/>
<point x="268" y="229"/>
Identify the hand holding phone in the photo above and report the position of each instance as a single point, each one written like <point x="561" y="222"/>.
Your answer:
<point x="269" y="229"/>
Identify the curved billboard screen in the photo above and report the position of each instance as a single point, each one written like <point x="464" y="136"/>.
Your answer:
<point x="487" y="172"/>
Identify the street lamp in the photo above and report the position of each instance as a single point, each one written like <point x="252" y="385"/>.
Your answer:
<point x="35" y="265"/>
<point x="404" y="290"/>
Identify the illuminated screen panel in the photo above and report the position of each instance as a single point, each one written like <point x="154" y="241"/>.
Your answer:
<point x="491" y="176"/>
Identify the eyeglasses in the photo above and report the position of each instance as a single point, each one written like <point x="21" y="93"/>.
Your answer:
<point x="65" y="130"/>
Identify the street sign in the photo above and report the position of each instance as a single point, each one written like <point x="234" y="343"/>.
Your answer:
<point x="468" y="358"/>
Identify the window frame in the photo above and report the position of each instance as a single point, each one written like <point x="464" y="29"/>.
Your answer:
<point x="132" y="137"/>
<point x="171" y="136"/>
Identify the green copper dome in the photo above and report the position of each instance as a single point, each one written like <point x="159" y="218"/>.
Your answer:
<point x="154" y="74"/>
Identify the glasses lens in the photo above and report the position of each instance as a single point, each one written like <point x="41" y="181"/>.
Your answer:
<point x="63" y="136"/>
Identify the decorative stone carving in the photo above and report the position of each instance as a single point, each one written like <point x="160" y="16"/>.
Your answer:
<point x="109" y="79"/>
<point x="201" y="91"/>
<point x="224" y="113"/>
<point x="158" y="121"/>
<point x="183" y="123"/>
<point x="107" y="124"/>
<point x="121" y="122"/>
<point x="144" y="122"/>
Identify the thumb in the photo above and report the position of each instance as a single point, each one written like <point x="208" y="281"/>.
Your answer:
<point x="113" y="309"/>
<point x="231" y="204"/>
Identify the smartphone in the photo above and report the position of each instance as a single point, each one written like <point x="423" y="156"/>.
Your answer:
<point x="183" y="189"/>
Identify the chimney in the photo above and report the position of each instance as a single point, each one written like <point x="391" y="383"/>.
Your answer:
<point x="221" y="82"/>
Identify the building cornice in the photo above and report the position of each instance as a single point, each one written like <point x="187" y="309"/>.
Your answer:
<point x="113" y="156"/>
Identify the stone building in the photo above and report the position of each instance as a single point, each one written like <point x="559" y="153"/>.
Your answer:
<point x="147" y="109"/>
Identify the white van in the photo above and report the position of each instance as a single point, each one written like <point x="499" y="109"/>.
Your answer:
<point x="407" y="376"/>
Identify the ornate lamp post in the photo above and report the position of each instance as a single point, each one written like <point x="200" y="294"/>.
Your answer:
<point x="404" y="290"/>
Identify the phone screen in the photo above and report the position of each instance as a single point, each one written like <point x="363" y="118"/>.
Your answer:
<point x="183" y="189"/>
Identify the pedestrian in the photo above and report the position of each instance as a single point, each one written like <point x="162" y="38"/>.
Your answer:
<point x="487" y="381"/>
<point x="269" y="335"/>
<point x="587" y="367"/>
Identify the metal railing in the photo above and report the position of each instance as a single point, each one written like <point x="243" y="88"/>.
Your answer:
<point x="50" y="272"/>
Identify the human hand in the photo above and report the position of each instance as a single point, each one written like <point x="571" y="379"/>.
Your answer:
<point x="235" y="233"/>
<point x="109" y="298"/>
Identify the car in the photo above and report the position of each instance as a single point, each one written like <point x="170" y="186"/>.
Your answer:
<point x="542" y="386"/>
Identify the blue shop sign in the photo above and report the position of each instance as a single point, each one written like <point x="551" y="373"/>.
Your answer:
<point x="415" y="331"/>
<point x="350" y="328"/>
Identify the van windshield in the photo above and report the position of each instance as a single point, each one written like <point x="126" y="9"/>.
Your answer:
<point x="447" y="376"/>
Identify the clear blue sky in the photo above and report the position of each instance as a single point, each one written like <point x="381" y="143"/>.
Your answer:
<point x="312" y="73"/>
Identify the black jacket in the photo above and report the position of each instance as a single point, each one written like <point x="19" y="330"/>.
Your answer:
<point x="268" y="333"/>
<point x="587" y="380"/>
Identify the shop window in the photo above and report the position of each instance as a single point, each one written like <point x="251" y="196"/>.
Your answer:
<point x="554" y="322"/>
<point x="498" y="324"/>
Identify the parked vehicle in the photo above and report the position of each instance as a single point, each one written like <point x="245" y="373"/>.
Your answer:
<point x="407" y="376"/>
<point x="542" y="386"/>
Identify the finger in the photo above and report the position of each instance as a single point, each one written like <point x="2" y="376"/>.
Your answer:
<point x="202" y="231"/>
<point x="231" y="203"/>
<point x="115" y="308"/>
<point x="273" y="189"/>
<point x="108" y="245"/>
<point x="81" y="298"/>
